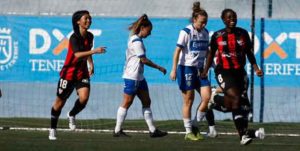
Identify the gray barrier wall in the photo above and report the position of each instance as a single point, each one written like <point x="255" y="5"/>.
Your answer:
<point x="35" y="100"/>
<point x="155" y="8"/>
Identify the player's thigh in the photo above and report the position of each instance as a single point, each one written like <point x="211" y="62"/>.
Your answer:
<point x="83" y="90"/>
<point x="64" y="89"/>
<point x="143" y="93"/>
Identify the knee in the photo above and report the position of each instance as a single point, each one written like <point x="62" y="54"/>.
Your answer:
<point x="188" y="103"/>
<point x="83" y="99"/>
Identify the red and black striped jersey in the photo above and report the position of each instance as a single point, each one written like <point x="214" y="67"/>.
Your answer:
<point x="232" y="48"/>
<point x="76" y="68"/>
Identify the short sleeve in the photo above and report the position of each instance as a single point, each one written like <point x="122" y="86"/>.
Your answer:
<point x="75" y="43"/>
<point x="213" y="43"/>
<point x="247" y="39"/>
<point x="183" y="38"/>
<point x="138" y="48"/>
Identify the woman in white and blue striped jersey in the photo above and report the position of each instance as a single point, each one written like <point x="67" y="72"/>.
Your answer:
<point x="188" y="62"/>
<point x="135" y="82"/>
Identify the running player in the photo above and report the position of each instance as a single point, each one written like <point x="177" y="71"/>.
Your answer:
<point x="75" y="72"/>
<point x="233" y="45"/>
<point x="188" y="62"/>
<point x="135" y="82"/>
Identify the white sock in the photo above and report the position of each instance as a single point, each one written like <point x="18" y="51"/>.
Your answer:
<point x="187" y="125"/>
<point x="200" y="115"/>
<point x="121" y="115"/>
<point x="149" y="119"/>
<point x="211" y="129"/>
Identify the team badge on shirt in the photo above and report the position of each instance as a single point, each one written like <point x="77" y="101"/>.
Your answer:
<point x="60" y="90"/>
<point x="189" y="83"/>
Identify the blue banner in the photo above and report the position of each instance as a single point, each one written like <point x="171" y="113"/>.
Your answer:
<point x="34" y="48"/>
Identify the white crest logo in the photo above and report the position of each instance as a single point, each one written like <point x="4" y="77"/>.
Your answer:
<point x="8" y="49"/>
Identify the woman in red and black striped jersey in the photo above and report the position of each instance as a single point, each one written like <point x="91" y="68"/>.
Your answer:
<point x="75" y="72"/>
<point x="233" y="45"/>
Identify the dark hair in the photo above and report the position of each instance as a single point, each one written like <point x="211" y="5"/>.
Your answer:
<point x="226" y="10"/>
<point x="135" y="27"/>
<point x="76" y="16"/>
<point x="197" y="10"/>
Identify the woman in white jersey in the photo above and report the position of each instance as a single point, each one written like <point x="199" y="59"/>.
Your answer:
<point x="135" y="83"/>
<point x="188" y="61"/>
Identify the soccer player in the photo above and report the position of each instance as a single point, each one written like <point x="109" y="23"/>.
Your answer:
<point x="75" y="72"/>
<point x="233" y="45"/>
<point x="135" y="82"/>
<point x="188" y="62"/>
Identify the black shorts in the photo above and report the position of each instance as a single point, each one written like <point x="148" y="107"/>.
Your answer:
<point x="66" y="87"/>
<point x="232" y="78"/>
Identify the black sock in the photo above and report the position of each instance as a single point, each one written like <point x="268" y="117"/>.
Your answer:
<point x="221" y="108"/>
<point x="219" y="100"/>
<point x="251" y="133"/>
<point x="210" y="118"/>
<point x="77" y="108"/>
<point x="239" y="121"/>
<point x="54" y="118"/>
<point x="219" y="104"/>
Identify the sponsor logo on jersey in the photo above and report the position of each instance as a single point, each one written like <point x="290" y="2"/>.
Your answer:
<point x="85" y="80"/>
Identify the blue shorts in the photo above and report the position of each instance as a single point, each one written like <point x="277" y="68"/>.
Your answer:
<point x="132" y="86"/>
<point x="188" y="78"/>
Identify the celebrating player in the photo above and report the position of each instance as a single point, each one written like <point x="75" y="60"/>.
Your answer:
<point x="188" y="62"/>
<point x="233" y="45"/>
<point x="135" y="82"/>
<point x="75" y="72"/>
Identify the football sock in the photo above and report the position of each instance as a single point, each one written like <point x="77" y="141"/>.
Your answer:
<point x="149" y="119"/>
<point x="251" y="133"/>
<point x="121" y="115"/>
<point x="219" y="104"/>
<point x="187" y="125"/>
<point x="218" y="99"/>
<point x="239" y="121"/>
<point x="221" y="108"/>
<point x="54" y="118"/>
<point x="200" y="115"/>
<point x="211" y="128"/>
<point x="210" y="118"/>
<point x="77" y="108"/>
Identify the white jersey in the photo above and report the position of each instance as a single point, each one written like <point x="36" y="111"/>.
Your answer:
<point x="194" y="46"/>
<point x="133" y="68"/>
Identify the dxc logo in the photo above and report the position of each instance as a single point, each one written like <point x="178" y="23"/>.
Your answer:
<point x="274" y="45"/>
<point x="36" y="48"/>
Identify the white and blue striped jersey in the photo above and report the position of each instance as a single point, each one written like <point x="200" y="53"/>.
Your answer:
<point x="133" y="68"/>
<point x="194" y="46"/>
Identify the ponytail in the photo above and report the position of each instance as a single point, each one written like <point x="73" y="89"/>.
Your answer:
<point x="197" y="10"/>
<point x="135" y="27"/>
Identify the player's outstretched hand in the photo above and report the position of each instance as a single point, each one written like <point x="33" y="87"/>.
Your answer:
<point x="162" y="69"/>
<point x="100" y="50"/>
